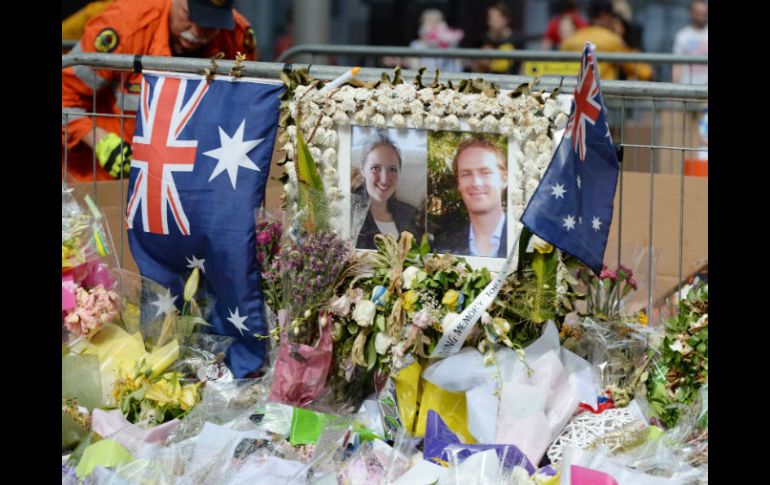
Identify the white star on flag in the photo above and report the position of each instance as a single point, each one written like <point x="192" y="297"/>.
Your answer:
<point x="579" y="182"/>
<point x="195" y="263"/>
<point x="608" y="131"/>
<point x="237" y="320"/>
<point x="596" y="223"/>
<point x="233" y="153"/>
<point x="165" y="303"/>
<point x="569" y="222"/>
<point x="557" y="191"/>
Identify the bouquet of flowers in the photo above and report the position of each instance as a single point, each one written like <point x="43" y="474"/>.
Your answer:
<point x="681" y="368"/>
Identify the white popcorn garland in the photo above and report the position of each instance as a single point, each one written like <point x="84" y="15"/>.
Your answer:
<point x="524" y="119"/>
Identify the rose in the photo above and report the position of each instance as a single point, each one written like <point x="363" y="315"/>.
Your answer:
<point x="409" y="276"/>
<point x="263" y="238"/>
<point x="340" y="306"/>
<point x="364" y="312"/>
<point x="450" y="298"/>
<point x="421" y="319"/>
<point x="410" y="299"/>
<point x="382" y="343"/>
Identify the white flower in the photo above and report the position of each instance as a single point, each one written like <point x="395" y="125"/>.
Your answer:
<point x="334" y="192"/>
<point x="551" y="109"/>
<point x="289" y="168"/>
<point x="308" y="123"/>
<point x="364" y="312"/>
<point x="415" y="121"/>
<point x="315" y="152"/>
<point x="362" y="94"/>
<point x="327" y="122"/>
<point x="422" y="319"/>
<point x="474" y="123"/>
<point x="319" y="138"/>
<point x="540" y="126"/>
<point x="343" y="93"/>
<point x="544" y="144"/>
<point x="348" y="105"/>
<point x="405" y="92"/>
<point x="489" y="123"/>
<point x="379" y="121"/>
<point x="398" y="106"/>
<point x="408" y="277"/>
<point x="506" y="125"/>
<point x="529" y="187"/>
<point x="425" y="95"/>
<point x="438" y="109"/>
<point x="341" y="118"/>
<point x="560" y="121"/>
<point x="340" y="306"/>
<point x="432" y="122"/>
<point x="416" y="107"/>
<point x="384" y="106"/>
<point x="355" y="294"/>
<point x="681" y="347"/>
<point x="330" y="158"/>
<point x="300" y="90"/>
<point x="382" y="343"/>
<point x="542" y="162"/>
<point x="361" y="117"/>
<point x="370" y="109"/>
<point x="292" y="131"/>
<point x="451" y="122"/>
<point x="384" y="92"/>
<point x="399" y="121"/>
<point x="703" y="321"/>
<point x="289" y="149"/>
<point x="329" y="109"/>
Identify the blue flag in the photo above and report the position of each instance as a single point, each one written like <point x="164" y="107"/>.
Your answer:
<point x="201" y="158"/>
<point x="572" y="206"/>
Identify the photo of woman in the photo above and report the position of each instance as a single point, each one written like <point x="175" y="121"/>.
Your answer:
<point x="389" y="177"/>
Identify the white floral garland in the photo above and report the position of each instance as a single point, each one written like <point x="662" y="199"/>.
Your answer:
<point x="524" y="119"/>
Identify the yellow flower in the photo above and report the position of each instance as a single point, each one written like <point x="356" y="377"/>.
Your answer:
<point x="643" y="318"/>
<point x="410" y="298"/>
<point x="192" y="284"/>
<point x="189" y="397"/>
<point x="450" y="298"/>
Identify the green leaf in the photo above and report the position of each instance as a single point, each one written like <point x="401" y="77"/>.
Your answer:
<point x="371" y="353"/>
<point x="311" y="190"/>
<point x="424" y="248"/>
<point x="544" y="266"/>
<point x="379" y="320"/>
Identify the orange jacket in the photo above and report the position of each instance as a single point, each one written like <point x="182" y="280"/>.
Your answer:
<point x="135" y="27"/>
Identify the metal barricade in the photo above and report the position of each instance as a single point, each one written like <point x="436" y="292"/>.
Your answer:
<point x="652" y="121"/>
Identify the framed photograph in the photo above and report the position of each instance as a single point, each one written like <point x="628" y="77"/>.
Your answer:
<point x="458" y="167"/>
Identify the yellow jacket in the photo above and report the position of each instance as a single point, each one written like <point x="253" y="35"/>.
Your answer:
<point x="73" y="26"/>
<point x="606" y="41"/>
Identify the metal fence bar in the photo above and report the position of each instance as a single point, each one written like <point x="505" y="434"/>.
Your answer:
<point x="630" y="98"/>
<point x="518" y="54"/>
<point x="272" y="70"/>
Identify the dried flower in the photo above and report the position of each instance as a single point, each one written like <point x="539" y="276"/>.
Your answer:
<point x="93" y="309"/>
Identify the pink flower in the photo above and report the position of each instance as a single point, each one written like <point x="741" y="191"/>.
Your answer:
<point x="608" y="274"/>
<point x="631" y="282"/>
<point x="263" y="238"/>
<point x="93" y="309"/>
<point x="626" y="270"/>
<point x="422" y="319"/>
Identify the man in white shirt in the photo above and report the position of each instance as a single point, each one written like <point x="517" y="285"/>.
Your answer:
<point x="693" y="40"/>
<point x="481" y="173"/>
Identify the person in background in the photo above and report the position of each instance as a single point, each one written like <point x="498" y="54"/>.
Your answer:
<point x="380" y="170"/>
<point x="72" y="27"/>
<point x="499" y="36"/>
<point x="286" y="40"/>
<point x="554" y="32"/>
<point x="434" y="33"/>
<point x="600" y="32"/>
<point x="693" y="40"/>
<point x="187" y="28"/>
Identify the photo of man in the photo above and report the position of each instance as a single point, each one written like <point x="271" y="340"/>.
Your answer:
<point x="477" y="225"/>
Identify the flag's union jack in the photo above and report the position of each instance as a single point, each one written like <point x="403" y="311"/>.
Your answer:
<point x="587" y="108"/>
<point x="158" y="153"/>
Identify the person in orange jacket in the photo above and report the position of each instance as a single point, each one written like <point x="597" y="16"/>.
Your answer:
<point x="187" y="28"/>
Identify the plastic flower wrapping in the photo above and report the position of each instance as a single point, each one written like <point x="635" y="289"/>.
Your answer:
<point x="557" y="382"/>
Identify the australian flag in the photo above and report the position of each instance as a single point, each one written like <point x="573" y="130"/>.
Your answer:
<point x="201" y="157"/>
<point x="572" y="206"/>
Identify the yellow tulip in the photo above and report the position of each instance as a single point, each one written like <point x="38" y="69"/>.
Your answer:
<point x="192" y="284"/>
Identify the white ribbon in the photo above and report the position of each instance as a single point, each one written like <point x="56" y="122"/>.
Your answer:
<point x="455" y="335"/>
